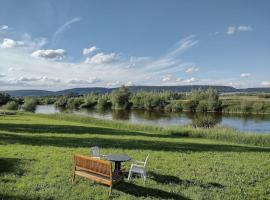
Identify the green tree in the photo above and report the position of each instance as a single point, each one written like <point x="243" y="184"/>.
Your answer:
<point x="120" y="98"/>
<point x="61" y="102"/>
<point x="4" y="98"/>
<point x="11" y="105"/>
<point x="30" y="104"/>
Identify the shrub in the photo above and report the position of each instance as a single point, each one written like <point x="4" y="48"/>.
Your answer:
<point x="30" y="104"/>
<point x="90" y="101"/>
<point x="11" y="105"/>
<point x="120" y="98"/>
<point x="61" y="102"/>
<point x="202" y="106"/>
<point x="103" y="102"/>
<point x="154" y="102"/>
<point x="174" y="107"/>
<point x="246" y="107"/>
<point x="258" y="107"/>
<point x="4" y="98"/>
<point x="73" y="103"/>
<point x="190" y="106"/>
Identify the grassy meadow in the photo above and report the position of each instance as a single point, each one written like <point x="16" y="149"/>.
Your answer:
<point x="36" y="153"/>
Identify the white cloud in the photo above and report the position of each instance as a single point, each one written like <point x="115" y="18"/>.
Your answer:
<point x="191" y="80"/>
<point x="266" y="83"/>
<point x="3" y="28"/>
<point x="114" y="84"/>
<point x="166" y="78"/>
<point x="65" y="27"/>
<point x="49" y="53"/>
<point x="192" y="69"/>
<point x="231" y="30"/>
<point x="245" y="75"/>
<point x="26" y="72"/>
<point x="34" y="79"/>
<point x="245" y="28"/>
<point x="2" y="75"/>
<point x="186" y="43"/>
<point x="89" y="50"/>
<point x="91" y="80"/>
<point x="129" y="83"/>
<point x="101" y="58"/>
<point x="14" y="69"/>
<point x="9" y="43"/>
<point x="33" y="43"/>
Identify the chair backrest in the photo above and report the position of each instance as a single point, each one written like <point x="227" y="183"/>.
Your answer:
<point x="95" y="151"/>
<point x="145" y="161"/>
<point x="101" y="167"/>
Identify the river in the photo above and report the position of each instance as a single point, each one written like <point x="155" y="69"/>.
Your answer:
<point x="245" y="123"/>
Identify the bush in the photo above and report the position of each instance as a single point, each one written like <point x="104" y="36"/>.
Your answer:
<point x="103" y="102"/>
<point x="73" y="103"/>
<point x="4" y="98"/>
<point x="246" y="107"/>
<point x="61" y="102"/>
<point x="30" y="104"/>
<point x="190" y="106"/>
<point x="258" y="107"/>
<point x="204" y="121"/>
<point x="202" y="106"/>
<point x="155" y="102"/>
<point x="174" y="107"/>
<point x="120" y="98"/>
<point x="90" y="101"/>
<point x="11" y="105"/>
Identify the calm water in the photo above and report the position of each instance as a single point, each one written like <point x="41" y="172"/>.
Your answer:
<point x="246" y="123"/>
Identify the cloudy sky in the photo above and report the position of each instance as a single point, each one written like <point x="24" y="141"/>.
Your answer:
<point x="65" y="44"/>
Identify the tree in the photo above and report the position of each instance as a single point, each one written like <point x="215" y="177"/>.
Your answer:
<point x="4" y="98"/>
<point x="30" y="104"/>
<point x="120" y="98"/>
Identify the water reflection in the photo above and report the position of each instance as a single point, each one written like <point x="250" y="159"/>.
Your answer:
<point x="246" y="123"/>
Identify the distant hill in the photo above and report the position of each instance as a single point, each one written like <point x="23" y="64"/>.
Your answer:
<point x="102" y="90"/>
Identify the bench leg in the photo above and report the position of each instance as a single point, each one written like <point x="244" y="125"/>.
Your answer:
<point x="110" y="191"/>
<point x="73" y="177"/>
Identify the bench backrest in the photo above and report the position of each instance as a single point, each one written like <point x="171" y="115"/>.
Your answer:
<point x="100" y="167"/>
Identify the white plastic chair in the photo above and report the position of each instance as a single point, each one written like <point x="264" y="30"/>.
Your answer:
<point x="138" y="167"/>
<point x="94" y="151"/>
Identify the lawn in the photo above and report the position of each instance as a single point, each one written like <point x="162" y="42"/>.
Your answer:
<point x="36" y="154"/>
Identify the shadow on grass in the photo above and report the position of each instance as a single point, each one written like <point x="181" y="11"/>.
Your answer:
<point x="133" y="144"/>
<point x="167" y="179"/>
<point x="140" y="191"/>
<point x="11" y="165"/>
<point x="70" y="129"/>
<point x="20" y="197"/>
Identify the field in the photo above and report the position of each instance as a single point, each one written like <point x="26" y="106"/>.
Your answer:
<point x="36" y="160"/>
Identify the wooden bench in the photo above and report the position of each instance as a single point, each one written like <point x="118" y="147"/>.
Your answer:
<point x="94" y="169"/>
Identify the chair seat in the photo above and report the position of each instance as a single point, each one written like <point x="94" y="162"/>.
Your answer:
<point x="137" y="169"/>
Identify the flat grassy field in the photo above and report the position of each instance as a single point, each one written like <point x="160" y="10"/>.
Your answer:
<point x="36" y="155"/>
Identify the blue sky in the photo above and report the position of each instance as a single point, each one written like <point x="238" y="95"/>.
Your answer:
<point x="64" y="44"/>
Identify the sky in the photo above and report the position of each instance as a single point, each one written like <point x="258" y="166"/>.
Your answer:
<point x="56" y="45"/>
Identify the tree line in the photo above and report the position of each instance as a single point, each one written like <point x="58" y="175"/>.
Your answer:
<point x="198" y="100"/>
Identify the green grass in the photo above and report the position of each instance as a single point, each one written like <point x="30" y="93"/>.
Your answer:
<point x="36" y="160"/>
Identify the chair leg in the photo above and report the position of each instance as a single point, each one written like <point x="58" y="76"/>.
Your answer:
<point x="129" y="175"/>
<point x="144" y="177"/>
